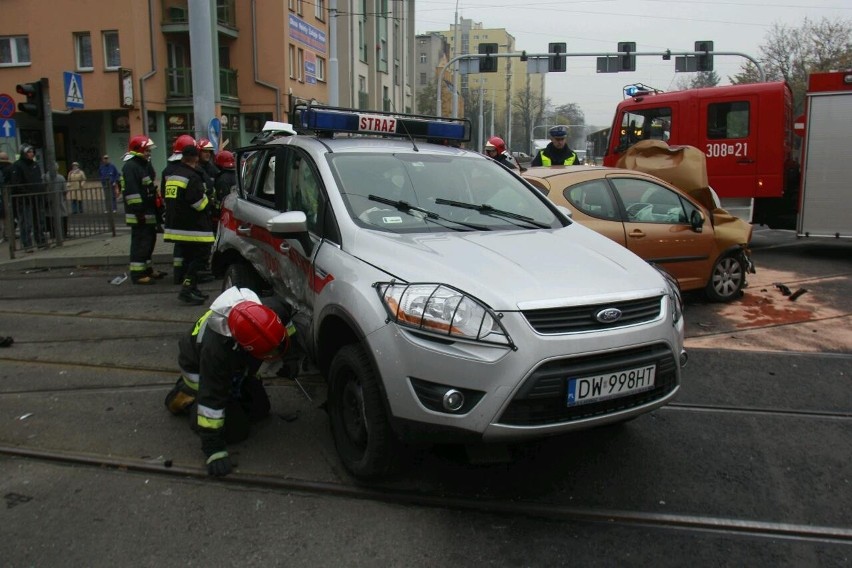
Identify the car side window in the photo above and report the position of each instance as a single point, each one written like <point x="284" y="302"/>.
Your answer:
<point x="303" y="189"/>
<point x="259" y="177"/>
<point x="593" y="198"/>
<point x="648" y="202"/>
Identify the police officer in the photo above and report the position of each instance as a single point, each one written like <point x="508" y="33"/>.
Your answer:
<point x="219" y="360"/>
<point x="188" y="222"/>
<point x="140" y="206"/>
<point x="557" y="152"/>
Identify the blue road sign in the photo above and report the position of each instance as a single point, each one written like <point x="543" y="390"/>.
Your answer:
<point x="7" y="128"/>
<point x="214" y="132"/>
<point x="73" y="89"/>
<point x="7" y="106"/>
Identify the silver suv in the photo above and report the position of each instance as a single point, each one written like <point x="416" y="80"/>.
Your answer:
<point x="441" y="296"/>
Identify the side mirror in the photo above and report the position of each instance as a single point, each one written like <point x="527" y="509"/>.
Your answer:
<point x="696" y="220"/>
<point x="291" y="225"/>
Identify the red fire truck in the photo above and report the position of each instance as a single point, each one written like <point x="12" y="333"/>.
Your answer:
<point x="747" y="133"/>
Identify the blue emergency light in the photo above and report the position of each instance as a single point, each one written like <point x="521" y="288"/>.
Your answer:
<point x="333" y="120"/>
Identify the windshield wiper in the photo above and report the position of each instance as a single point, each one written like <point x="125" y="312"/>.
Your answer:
<point x="486" y="209"/>
<point x="429" y="215"/>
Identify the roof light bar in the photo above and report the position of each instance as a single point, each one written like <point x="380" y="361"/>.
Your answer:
<point x="339" y="120"/>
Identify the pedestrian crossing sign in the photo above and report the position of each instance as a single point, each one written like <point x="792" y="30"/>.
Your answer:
<point x="73" y="90"/>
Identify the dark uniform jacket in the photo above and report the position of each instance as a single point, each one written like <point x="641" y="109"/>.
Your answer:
<point x="187" y="216"/>
<point x="25" y="177"/>
<point x="140" y="194"/>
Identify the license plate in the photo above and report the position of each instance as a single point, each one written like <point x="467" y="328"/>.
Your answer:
<point x="584" y="390"/>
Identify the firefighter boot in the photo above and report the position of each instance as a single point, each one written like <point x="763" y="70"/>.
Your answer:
<point x="180" y="398"/>
<point x="190" y="295"/>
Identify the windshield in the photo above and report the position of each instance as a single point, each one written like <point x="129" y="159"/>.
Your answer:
<point x="417" y="193"/>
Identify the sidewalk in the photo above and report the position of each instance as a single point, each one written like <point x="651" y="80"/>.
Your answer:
<point x="98" y="250"/>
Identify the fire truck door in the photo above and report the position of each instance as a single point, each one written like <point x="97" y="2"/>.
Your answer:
<point x="729" y="138"/>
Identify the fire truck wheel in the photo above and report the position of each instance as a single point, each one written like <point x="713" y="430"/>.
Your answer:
<point x="726" y="279"/>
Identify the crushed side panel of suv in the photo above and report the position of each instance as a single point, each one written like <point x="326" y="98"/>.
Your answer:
<point x="442" y="297"/>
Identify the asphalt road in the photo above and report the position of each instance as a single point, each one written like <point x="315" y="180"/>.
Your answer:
<point x="749" y="467"/>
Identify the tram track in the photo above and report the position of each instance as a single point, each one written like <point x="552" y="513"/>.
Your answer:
<point x="395" y="496"/>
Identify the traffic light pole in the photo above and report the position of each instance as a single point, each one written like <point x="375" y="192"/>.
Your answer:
<point x="664" y="54"/>
<point x="50" y="165"/>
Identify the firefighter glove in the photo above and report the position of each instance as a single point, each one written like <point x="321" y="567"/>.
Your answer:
<point x="219" y="464"/>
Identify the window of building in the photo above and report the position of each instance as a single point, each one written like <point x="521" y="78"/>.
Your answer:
<point x="291" y="4"/>
<point x="423" y="78"/>
<point x="422" y="58"/>
<point x="320" y="73"/>
<point x="299" y="7"/>
<point x="396" y="73"/>
<point x="386" y="102"/>
<point x="300" y="64"/>
<point x="362" y="46"/>
<point x="14" y="50"/>
<point x="83" y="49"/>
<point x="319" y="10"/>
<point x="112" y="54"/>
<point x="292" y="61"/>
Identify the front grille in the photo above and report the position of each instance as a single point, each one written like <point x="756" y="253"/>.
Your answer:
<point x="542" y="399"/>
<point x="582" y="318"/>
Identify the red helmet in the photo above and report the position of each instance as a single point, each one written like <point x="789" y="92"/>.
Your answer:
<point x="258" y="330"/>
<point x="225" y="160"/>
<point x="138" y="144"/>
<point x="205" y="144"/>
<point x="496" y="143"/>
<point x="182" y="142"/>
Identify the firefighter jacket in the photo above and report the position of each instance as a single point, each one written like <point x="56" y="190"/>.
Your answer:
<point x="550" y="156"/>
<point x="140" y="193"/>
<point x="187" y="214"/>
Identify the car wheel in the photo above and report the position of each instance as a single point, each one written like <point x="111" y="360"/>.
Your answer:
<point x="726" y="279"/>
<point x="357" y="414"/>
<point x="242" y="275"/>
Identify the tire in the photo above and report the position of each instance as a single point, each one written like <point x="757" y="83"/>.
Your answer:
<point x="726" y="279"/>
<point x="242" y="275"/>
<point x="359" y="422"/>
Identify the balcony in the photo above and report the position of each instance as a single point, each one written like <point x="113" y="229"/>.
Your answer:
<point x="179" y="83"/>
<point x="176" y="17"/>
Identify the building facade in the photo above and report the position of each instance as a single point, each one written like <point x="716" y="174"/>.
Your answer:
<point x="210" y="68"/>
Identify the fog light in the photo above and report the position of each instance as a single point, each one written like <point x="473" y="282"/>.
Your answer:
<point x="683" y="358"/>
<point x="453" y="400"/>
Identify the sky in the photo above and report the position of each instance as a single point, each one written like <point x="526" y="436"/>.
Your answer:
<point x="596" y="26"/>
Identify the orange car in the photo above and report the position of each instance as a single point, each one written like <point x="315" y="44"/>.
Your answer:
<point x="660" y="223"/>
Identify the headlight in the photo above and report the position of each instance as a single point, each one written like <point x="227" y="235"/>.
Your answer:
<point x="442" y="310"/>
<point x="673" y="293"/>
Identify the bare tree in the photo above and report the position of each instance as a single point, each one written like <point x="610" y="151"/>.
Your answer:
<point x="527" y="111"/>
<point x="790" y="54"/>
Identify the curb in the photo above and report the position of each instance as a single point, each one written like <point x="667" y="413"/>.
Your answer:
<point x="74" y="261"/>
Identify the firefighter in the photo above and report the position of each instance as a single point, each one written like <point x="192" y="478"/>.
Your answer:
<point x="188" y="220"/>
<point x="227" y="177"/>
<point x="557" y="152"/>
<point x="180" y="143"/>
<point x="495" y="149"/>
<point x="219" y="360"/>
<point x="206" y="163"/>
<point x="140" y="206"/>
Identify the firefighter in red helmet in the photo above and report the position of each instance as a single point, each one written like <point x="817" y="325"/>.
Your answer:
<point x="140" y="206"/>
<point x="495" y="149"/>
<point x="227" y="177"/>
<point x="219" y="360"/>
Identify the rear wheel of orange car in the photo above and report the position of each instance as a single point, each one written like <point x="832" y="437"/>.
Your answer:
<point x="727" y="278"/>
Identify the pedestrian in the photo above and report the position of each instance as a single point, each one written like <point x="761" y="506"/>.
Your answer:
<point x="557" y="152"/>
<point x="219" y="359"/>
<point x="110" y="176"/>
<point x="57" y="204"/>
<point x="27" y="188"/>
<point x="495" y="149"/>
<point x="5" y="179"/>
<point x="188" y="220"/>
<point x="76" y="182"/>
<point x="140" y="206"/>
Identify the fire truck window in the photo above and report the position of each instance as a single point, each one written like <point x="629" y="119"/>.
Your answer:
<point x="727" y="120"/>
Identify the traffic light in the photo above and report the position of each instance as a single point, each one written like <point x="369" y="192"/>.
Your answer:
<point x="34" y="105"/>
<point x="627" y="61"/>
<point x="488" y="64"/>
<point x="705" y="60"/>
<point x="556" y="62"/>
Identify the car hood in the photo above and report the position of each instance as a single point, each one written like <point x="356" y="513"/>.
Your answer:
<point x="511" y="270"/>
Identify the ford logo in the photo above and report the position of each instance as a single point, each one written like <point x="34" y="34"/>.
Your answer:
<point x="608" y="315"/>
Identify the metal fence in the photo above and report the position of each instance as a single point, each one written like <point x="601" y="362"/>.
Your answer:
<point x="39" y="218"/>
